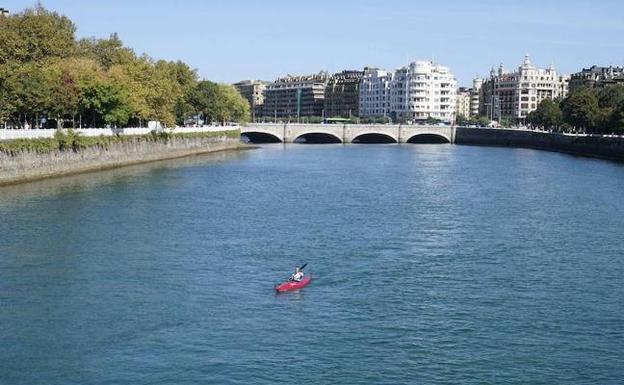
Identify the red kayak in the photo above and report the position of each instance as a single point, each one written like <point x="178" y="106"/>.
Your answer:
<point x="291" y="285"/>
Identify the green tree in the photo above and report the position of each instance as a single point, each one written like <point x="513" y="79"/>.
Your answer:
<point x="483" y="121"/>
<point x="34" y="35"/>
<point x="506" y="122"/>
<point x="616" y="119"/>
<point x="547" y="115"/>
<point x="8" y="106"/>
<point x="107" y="52"/>
<point x="432" y="120"/>
<point x="218" y="102"/>
<point x="203" y="97"/>
<point x="156" y="89"/>
<point x="168" y="83"/>
<point x="236" y="107"/>
<point x="610" y="99"/>
<point x="185" y="76"/>
<point x="186" y="79"/>
<point x="108" y="102"/>
<point x="45" y="73"/>
<point x="85" y="75"/>
<point x="580" y="110"/>
<point x="32" y="94"/>
<point x="136" y="77"/>
<point x="611" y="96"/>
<point x="462" y="120"/>
<point x="64" y="91"/>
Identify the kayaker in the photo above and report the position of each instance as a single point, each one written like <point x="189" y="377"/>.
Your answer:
<point x="297" y="275"/>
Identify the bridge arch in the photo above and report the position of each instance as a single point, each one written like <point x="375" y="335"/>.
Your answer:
<point x="428" y="138"/>
<point x="317" y="138"/>
<point x="261" y="137"/>
<point x="374" y="137"/>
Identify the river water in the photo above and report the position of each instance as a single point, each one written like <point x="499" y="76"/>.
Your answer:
<point x="431" y="264"/>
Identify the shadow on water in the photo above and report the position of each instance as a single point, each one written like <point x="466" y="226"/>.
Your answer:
<point x="427" y="139"/>
<point x="126" y="174"/>
<point x="374" y="139"/>
<point x="318" y="138"/>
<point x="259" y="138"/>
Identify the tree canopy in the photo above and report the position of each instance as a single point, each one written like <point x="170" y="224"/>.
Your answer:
<point x="49" y="78"/>
<point x="595" y="111"/>
<point x="218" y="102"/>
<point x="547" y="115"/>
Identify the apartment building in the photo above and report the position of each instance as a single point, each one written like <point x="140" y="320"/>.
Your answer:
<point x="462" y="100"/>
<point x="253" y="91"/>
<point x="596" y="77"/>
<point x="416" y="92"/>
<point x="513" y="95"/>
<point x="292" y="97"/>
<point x="423" y="90"/>
<point x="342" y="94"/>
<point x="374" y="88"/>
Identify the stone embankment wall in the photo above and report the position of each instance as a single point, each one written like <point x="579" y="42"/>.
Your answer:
<point x="604" y="147"/>
<point x="26" y="166"/>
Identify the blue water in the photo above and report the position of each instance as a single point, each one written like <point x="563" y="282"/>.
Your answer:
<point x="432" y="264"/>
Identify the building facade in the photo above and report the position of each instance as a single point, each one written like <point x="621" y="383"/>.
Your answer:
<point x="292" y="97"/>
<point x="423" y="90"/>
<point x="374" y="90"/>
<point x="475" y="97"/>
<point x="596" y="77"/>
<point x="462" y="100"/>
<point x="417" y="92"/>
<point x="342" y="94"/>
<point x="253" y="91"/>
<point x="4" y="12"/>
<point x="513" y="95"/>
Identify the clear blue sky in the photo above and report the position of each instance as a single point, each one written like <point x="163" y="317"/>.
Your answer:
<point x="231" y="40"/>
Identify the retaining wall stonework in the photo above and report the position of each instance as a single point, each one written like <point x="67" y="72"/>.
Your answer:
<point x="27" y="166"/>
<point x="584" y="145"/>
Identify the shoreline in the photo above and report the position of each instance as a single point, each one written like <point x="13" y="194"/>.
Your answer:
<point x="592" y="147"/>
<point x="28" y="167"/>
<point x="96" y="169"/>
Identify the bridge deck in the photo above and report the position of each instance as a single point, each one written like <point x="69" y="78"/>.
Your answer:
<point x="347" y="133"/>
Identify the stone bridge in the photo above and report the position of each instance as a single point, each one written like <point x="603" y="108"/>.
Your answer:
<point x="348" y="133"/>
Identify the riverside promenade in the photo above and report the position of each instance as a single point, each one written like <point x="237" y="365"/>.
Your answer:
<point x="7" y="134"/>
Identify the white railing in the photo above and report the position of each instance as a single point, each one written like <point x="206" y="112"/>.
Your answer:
<point x="26" y="134"/>
<point x="41" y="134"/>
<point x="543" y="131"/>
